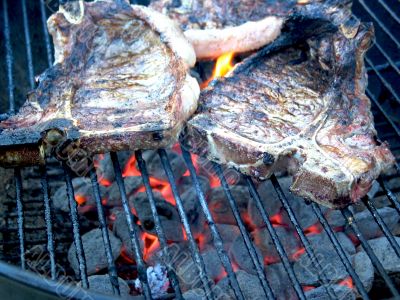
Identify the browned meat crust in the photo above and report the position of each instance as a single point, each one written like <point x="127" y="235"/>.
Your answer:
<point x="303" y="110"/>
<point x="120" y="81"/>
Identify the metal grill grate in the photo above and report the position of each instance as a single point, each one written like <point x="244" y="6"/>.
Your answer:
<point x="380" y="63"/>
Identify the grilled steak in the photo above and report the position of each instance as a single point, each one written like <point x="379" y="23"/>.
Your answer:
<point x="215" y="27"/>
<point x="120" y="81"/>
<point x="304" y="110"/>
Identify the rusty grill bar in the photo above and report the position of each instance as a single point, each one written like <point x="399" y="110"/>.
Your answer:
<point x="376" y="69"/>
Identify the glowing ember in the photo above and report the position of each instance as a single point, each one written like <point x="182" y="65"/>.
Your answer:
<point x="214" y="181"/>
<point x="313" y="229"/>
<point x="130" y="168"/>
<point x="104" y="182"/>
<point x="277" y="220"/>
<point x="298" y="253"/>
<point x="159" y="185"/>
<point x="151" y="244"/>
<point x="125" y="256"/>
<point x="80" y="199"/>
<point x="308" y="288"/>
<point x="185" y="238"/>
<point x="222" y="67"/>
<point x="347" y="282"/>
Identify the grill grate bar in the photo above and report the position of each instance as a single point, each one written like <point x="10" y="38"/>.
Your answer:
<point x="28" y="45"/>
<point x="383" y="80"/>
<point x="20" y="213"/>
<point x="389" y="10"/>
<point x="339" y="249"/>
<point x="392" y="197"/>
<point x="157" y="224"/>
<point x="379" y="22"/>
<point x="371" y="207"/>
<point x="278" y="245"/>
<point x="382" y="67"/>
<point x="249" y="245"/>
<point x="9" y="59"/>
<point x="309" y="249"/>
<point x="394" y="126"/>
<point x="46" y="33"/>
<point x="192" y="243"/>
<point x="351" y="221"/>
<point x="112" y="270"/>
<point x="387" y="56"/>
<point x="48" y="220"/>
<point x="217" y="240"/>
<point x="73" y="208"/>
<point x="132" y="231"/>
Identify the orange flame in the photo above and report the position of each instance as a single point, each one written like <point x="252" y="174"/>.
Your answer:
<point x="222" y="67"/>
<point x="80" y="199"/>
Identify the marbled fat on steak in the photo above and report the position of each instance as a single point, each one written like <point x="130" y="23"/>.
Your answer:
<point x="120" y="81"/>
<point x="304" y="110"/>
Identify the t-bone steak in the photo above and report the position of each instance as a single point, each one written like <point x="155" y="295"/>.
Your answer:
<point x="303" y="110"/>
<point x="120" y="81"/>
<point x="215" y="27"/>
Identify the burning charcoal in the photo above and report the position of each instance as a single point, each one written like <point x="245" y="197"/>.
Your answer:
<point x="340" y="291"/>
<point x="83" y="195"/>
<point x="335" y="218"/>
<point x="132" y="183"/>
<point x="193" y="211"/>
<point x="166" y="211"/>
<point x="101" y="284"/>
<point x="156" y="169"/>
<point x="104" y="169"/>
<point x="95" y="254"/>
<point x="187" y="272"/>
<point x="186" y="185"/>
<point x="249" y="284"/>
<point x="195" y="294"/>
<point x="333" y="267"/>
<point x="228" y="233"/>
<point x="270" y="200"/>
<point x="120" y="229"/>
<point x="364" y="269"/>
<point x="385" y="253"/>
<point x="240" y="255"/>
<point x="263" y="241"/>
<point x="212" y="263"/>
<point x="279" y="282"/>
<point x="220" y="208"/>
<point x="158" y="281"/>
<point x="367" y="225"/>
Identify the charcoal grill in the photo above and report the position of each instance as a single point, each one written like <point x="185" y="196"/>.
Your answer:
<point x="383" y="65"/>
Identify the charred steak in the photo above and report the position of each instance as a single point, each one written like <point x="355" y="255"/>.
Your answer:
<point x="120" y="81"/>
<point x="303" y="110"/>
<point x="215" y="27"/>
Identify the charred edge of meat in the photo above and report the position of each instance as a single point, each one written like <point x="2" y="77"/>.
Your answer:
<point x="28" y="154"/>
<point x="292" y="34"/>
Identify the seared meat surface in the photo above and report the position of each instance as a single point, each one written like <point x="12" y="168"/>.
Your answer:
<point x="303" y="110"/>
<point x="120" y="81"/>
<point x="215" y="27"/>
